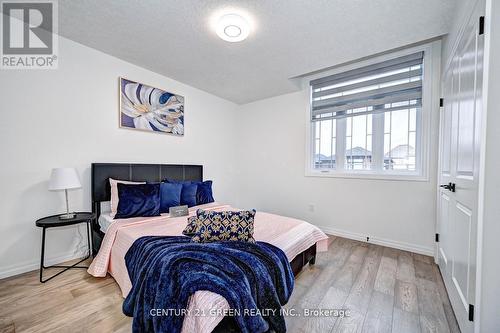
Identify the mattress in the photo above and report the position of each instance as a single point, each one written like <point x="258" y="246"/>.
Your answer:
<point x="105" y="220"/>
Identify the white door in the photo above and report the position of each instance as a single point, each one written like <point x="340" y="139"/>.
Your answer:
<point x="459" y="172"/>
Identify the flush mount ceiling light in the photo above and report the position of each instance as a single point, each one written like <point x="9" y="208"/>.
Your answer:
<point x="232" y="28"/>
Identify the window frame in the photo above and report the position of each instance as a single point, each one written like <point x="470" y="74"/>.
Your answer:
<point x="430" y="104"/>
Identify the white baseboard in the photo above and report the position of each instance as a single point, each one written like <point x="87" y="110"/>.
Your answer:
<point x="428" y="251"/>
<point x="31" y="266"/>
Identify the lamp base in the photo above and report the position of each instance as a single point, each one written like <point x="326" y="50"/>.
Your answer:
<point x="67" y="216"/>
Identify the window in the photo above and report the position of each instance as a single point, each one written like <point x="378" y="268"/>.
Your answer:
<point x="369" y="120"/>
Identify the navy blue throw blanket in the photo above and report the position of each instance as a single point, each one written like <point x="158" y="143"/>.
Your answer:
<point x="166" y="271"/>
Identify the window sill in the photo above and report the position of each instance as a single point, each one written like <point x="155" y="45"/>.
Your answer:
<point x="368" y="175"/>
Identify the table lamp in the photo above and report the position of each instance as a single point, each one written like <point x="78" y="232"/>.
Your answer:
<point x="64" y="179"/>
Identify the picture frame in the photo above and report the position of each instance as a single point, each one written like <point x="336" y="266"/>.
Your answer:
<point x="146" y="108"/>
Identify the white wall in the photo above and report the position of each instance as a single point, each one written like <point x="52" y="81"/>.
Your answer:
<point x="271" y="178"/>
<point x="69" y="117"/>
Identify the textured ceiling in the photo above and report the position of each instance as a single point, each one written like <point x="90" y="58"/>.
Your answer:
<point x="290" y="37"/>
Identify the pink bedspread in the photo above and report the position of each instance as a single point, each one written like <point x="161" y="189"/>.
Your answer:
<point x="291" y="235"/>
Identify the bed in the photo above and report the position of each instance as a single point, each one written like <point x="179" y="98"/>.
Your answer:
<point x="112" y="238"/>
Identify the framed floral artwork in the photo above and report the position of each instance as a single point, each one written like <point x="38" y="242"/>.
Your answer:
<point x="151" y="109"/>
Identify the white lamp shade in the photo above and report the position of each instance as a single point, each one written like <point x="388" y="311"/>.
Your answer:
<point x="63" y="179"/>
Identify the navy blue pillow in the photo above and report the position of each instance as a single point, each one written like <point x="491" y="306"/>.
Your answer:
<point x="136" y="200"/>
<point x="188" y="194"/>
<point x="170" y="196"/>
<point x="204" y="193"/>
<point x="177" y="181"/>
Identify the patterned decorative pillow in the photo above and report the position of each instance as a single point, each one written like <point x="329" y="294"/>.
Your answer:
<point x="192" y="226"/>
<point x="224" y="226"/>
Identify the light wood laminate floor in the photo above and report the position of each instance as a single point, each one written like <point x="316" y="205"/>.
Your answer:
<point x="385" y="290"/>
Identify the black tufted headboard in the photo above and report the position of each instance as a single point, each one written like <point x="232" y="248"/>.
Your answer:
<point x="101" y="191"/>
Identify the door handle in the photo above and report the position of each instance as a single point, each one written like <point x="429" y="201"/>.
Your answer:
<point x="445" y="186"/>
<point x="450" y="186"/>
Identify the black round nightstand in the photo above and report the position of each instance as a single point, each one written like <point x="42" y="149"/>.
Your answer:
<point x="54" y="221"/>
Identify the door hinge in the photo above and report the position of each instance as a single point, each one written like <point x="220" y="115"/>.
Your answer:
<point x="481" y="25"/>
<point x="441" y="102"/>
<point x="471" y="312"/>
<point x="437" y="238"/>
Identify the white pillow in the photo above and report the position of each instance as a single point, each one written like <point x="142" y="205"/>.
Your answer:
<point x="114" y="193"/>
<point x="106" y="207"/>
